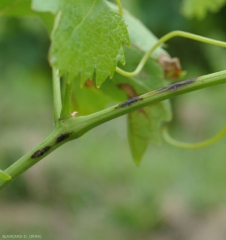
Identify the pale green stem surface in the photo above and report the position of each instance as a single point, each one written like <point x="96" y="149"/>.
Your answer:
<point x="163" y="40"/>
<point x="79" y="125"/>
<point x="66" y="109"/>
<point x="57" y="103"/>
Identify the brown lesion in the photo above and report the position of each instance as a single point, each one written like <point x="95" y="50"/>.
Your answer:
<point x="131" y="94"/>
<point x="171" y="66"/>
<point x="90" y="84"/>
<point x="128" y="89"/>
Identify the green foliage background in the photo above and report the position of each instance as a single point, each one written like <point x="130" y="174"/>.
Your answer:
<point x="89" y="188"/>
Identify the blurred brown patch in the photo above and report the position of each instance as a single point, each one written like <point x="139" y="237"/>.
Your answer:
<point x="128" y="89"/>
<point x="171" y="66"/>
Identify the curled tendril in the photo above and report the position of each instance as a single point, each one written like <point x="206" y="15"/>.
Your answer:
<point x="163" y="40"/>
<point x="205" y="143"/>
<point x="120" y="7"/>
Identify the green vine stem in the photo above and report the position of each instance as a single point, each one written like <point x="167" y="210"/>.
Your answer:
<point x="163" y="40"/>
<point x="180" y="144"/>
<point x="73" y="128"/>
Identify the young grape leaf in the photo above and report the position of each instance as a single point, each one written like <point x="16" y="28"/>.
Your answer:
<point x="143" y="124"/>
<point x="4" y="176"/>
<point x="199" y="8"/>
<point x="87" y="40"/>
<point x="140" y="35"/>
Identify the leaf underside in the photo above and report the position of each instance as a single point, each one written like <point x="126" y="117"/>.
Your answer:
<point x="144" y="124"/>
<point x="82" y="43"/>
<point x="144" y="128"/>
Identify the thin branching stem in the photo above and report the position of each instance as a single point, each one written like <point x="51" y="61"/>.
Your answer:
<point x="73" y="128"/>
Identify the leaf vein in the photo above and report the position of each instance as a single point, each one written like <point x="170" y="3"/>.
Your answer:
<point x="83" y="19"/>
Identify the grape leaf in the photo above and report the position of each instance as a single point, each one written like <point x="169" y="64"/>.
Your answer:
<point x="199" y="8"/>
<point x="140" y="35"/>
<point x="144" y="125"/>
<point x="4" y="176"/>
<point x="88" y="38"/>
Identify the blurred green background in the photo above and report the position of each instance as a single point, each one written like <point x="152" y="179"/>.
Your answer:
<point x="90" y="189"/>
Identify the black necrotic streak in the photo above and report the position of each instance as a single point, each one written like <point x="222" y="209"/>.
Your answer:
<point x="175" y="86"/>
<point x="40" y="152"/>
<point x="129" y="102"/>
<point x="62" y="137"/>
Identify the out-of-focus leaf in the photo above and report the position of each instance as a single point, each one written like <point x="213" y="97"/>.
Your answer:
<point x="143" y="124"/>
<point x="144" y="127"/>
<point x="4" y="176"/>
<point x="88" y="38"/>
<point x="21" y="8"/>
<point x="199" y="8"/>
<point x="15" y="7"/>
<point x="46" y="6"/>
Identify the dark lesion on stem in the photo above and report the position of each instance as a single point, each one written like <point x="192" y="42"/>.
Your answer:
<point x="131" y="94"/>
<point x="62" y="137"/>
<point x="39" y="153"/>
<point x="129" y="102"/>
<point x="42" y="151"/>
<point x="176" y="86"/>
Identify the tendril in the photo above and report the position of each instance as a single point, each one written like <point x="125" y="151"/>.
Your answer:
<point x="180" y="144"/>
<point x="163" y="40"/>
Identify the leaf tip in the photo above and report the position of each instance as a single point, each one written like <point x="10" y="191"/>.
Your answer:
<point x="137" y="162"/>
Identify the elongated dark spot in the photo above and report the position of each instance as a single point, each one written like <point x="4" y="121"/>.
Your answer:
<point x="62" y="137"/>
<point x="175" y="86"/>
<point x="40" y="152"/>
<point x="129" y="102"/>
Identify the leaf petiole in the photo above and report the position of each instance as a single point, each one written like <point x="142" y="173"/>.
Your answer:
<point x="66" y="108"/>
<point x="57" y="103"/>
